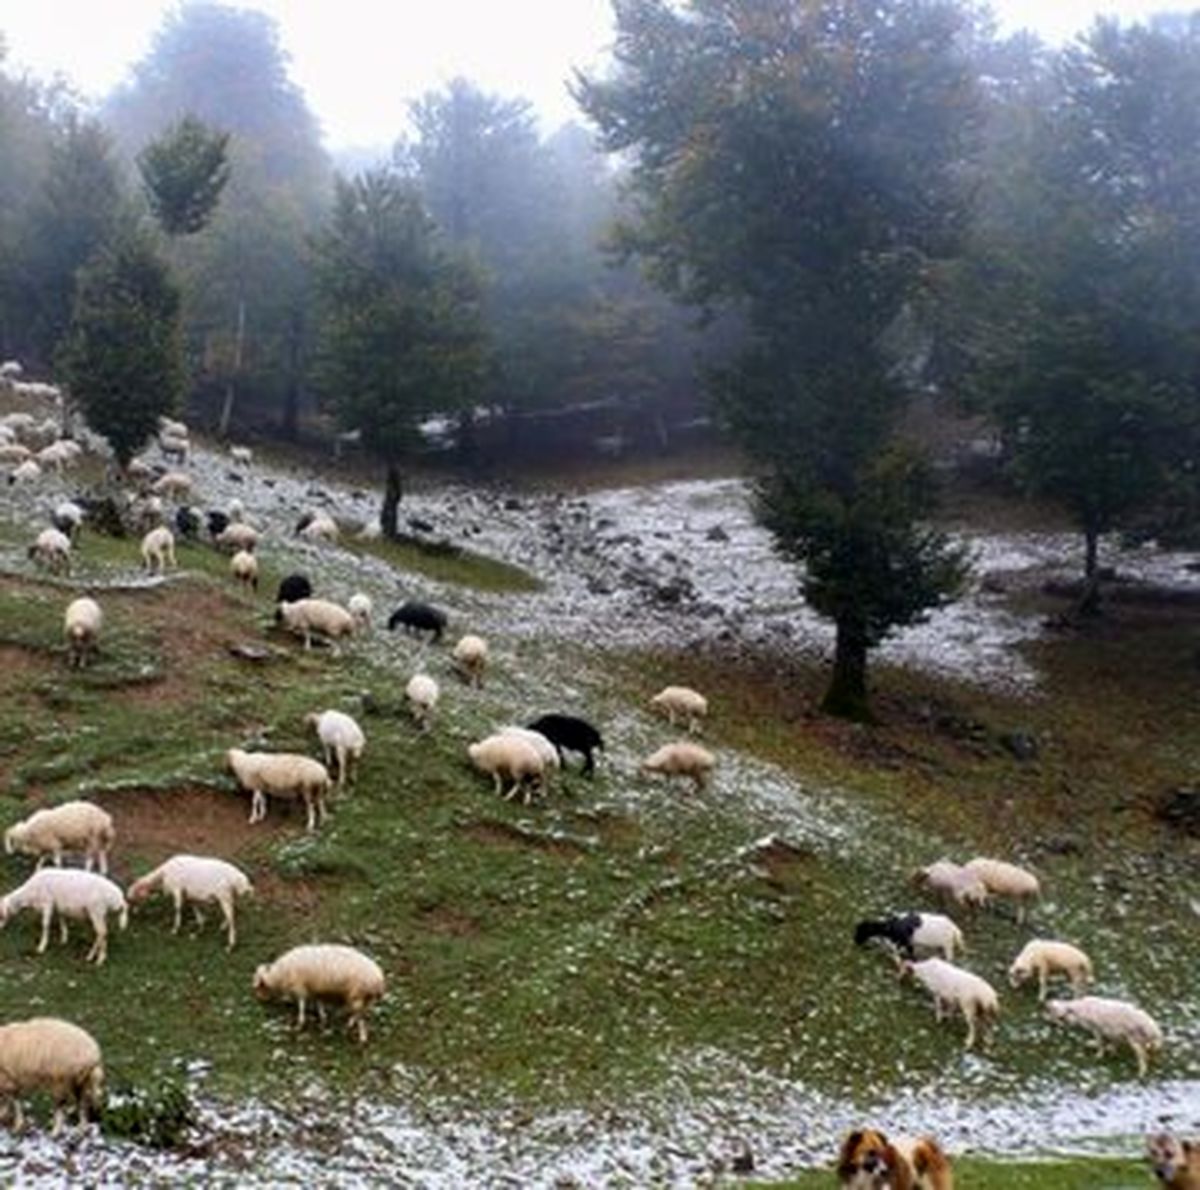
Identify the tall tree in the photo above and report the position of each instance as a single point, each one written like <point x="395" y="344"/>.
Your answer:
<point x="803" y="162"/>
<point x="400" y="334"/>
<point x="183" y="173"/>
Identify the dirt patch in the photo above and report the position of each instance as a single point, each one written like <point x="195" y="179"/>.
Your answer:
<point x="503" y="834"/>
<point x="301" y="897"/>
<point x="442" y="919"/>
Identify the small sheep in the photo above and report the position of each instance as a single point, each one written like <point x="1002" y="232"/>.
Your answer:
<point x="318" y="526"/>
<point x="158" y="549"/>
<point x="11" y="369"/>
<point x="930" y="931"/>
<point x="1051" y="958"/>
<point x="236" y="536"/>
<point x="27" y="472"/>
<point x="508" y="756"/>
<point x="68" y="828"/>
<point x="172" y="428"/>
<point x="321" y="973"/>
<point x="52" y="550"/>
<point x="417" y="617"/>
<point x="174" y="485"/>
<point x="361" y="608"/>
<point x="1006" y="880"/>
<point x="953" y="882"/>
<point x="953" y="988"/>
<point x="308" y="616"/>
<point x="682" y="701"/>
<point x="280" y="774"/>
<point x="342" y="739"/>
<point x="58" y="455"/>
<point x="470" y="656"/>
<point x="67" y="518"/>
<point x="682" y="759"/>
<point x="1111" y="1020"/>
<point x="51" y="1056"/>
<point x="71" y="893"/>
<point x="570" y="734"/>
<point x="243" y="456"/>
<point x="81" y="627"/>
<point x="422" y="695"/>
<point x="197" y="879"/>
<point x="244" y="568"/>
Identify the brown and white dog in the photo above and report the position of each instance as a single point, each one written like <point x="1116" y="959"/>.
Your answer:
<point x="869" y="1161"/>
<point x="1176" y="1163"/>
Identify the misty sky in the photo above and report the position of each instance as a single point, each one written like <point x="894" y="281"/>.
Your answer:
<point x="359" y="61"/>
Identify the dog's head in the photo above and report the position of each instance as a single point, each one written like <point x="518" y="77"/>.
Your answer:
<point x="1169" y="1157"/>
<point x="868" y="1161"/>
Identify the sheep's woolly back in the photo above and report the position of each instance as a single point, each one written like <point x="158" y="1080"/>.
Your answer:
<point x="46" y="1053"/>
<point x="544" y="748"/>
<point x="278" y="773"/>
<point x="70" y="891"/>
<point x="335" y="729"/>
<point x="507" y="755"/>
<point x="319" y="615"/>
<point x="470" y="650"/>
<point x="1114" y="1019"/>
<point x="422" y="690"/>
<point x="948" y="982"/>
<point x="682" y="699"/>
<point x="1004" y="879"/>
<point x="83" y="619"/>
<point x="680" y="758"/>
<point x="73" y="826"/>
<point x="322" y="970"/>
<point x="200" y="877"/>
<point x="1053" y="956"/>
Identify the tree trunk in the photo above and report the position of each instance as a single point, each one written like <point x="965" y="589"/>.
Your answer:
<point x="847" y="693"/>
<point x="389" y="513"/>
<point x="290" y="428"/>
<point x="230" y="390"/>
<point x="1089" y="601"/>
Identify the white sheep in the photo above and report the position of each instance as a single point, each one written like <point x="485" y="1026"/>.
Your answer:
<point x="51" y="1056"/>
<point x="307" y="617"/>
<point x="244" y="568"/>
<point x="682" y="759"/>
<point x="27" y="472"/>
<point x="361" y="608"/>
<point x="11" y="369"/>
<point x="953" y="988"/>
<point x="1006" y="880"/>
<point x="14" y="452"/>
<point x="422" y="695"/>
<point x="683" y="701"/>
<point x="200" y="880"/>
<point x="237" y="536"/>
<point x="470" y="655"/>
<point x="545" y="749"/>
<point x="71" y="893"/>
<point x="321" y="527"/>
<point x="1043" y="958"/>
<point x="52" y="549"/>
<point x="158" y="549"/>
<point x="174" y="485"/>
<point x="241" y="455"/>
<point x="81" y="627"/>
<point x="172" y="428"/>
<point x="342" y="740"/>
<point x="1111" y="1020"/>
<point x="72" y="827"/>
<point x="507" y="756"/>
<point x="58" y="454"/>
<point x="68" y="518"/>
<point x="952" y="881"/>
<point x="175" y="448"/>
<point x="320" y="973"/>
<point x="280" y="774"/>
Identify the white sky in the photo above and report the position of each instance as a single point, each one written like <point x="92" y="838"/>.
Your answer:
<point x="360" y="61"/>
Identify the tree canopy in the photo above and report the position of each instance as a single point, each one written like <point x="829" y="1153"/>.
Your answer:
<point x="183" y="173"/>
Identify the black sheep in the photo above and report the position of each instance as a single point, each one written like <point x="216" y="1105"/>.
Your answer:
<point x="218" y="522"/>
<point x="187" y="522"/>
<point x="574" y="735"/>
<point x="896" y="930"/>
<point x="294" y="588"/>
<point x="418" y="617"/>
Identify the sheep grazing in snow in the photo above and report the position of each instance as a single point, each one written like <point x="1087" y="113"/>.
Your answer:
<point x="507" y="756"/>
<point x="907" y="932"/>
<point x="71" y="893"/>
<point x="422" y="694"/>
<point x="318" y="526"/>
<point x="952" y="882"/>
<point x="59" y="454"/>
<point x="1176" y="1163"/>
<point x="1007" y="881"/>
<point x="689" y="705"/>
<point x="158" y="550"/>
<point x="544" y="748"/>
<point x="71" y="828"/>
<point x="470" y="657"/>
<point x="280" y="774"/>
<point x="14" y="452"/>
<point x="682" y="759"/>
<point x="50" y="1056"/>
<point x="416" y="617"/>
<point x="341" y="738"/>
<point x="953" y="988"/>
<point x="26" y="472"/>
<point x="243" y="456"/>
<point x="1044" y="959"/>
<point x="174" y="485"/>
<point x="81" y="627"/>
<point x="293" y="588"/>
<point x="321" y="973"/>
<point x="197" y="879"/>
<point x="188" y="522"/>
<point x="309" y="617"/>
<point x="52" y="550"/>
<point x="236" y="536"/>
<point x="570" y="734"/>
<point x="361" y="608"/>
<point x="67" y="518"/>
<point x="244" y="568"/>
<point x="1111" y="1020"/>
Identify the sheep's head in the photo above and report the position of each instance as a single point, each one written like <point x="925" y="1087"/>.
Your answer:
<point x="262" y="982"/>
<point x="1018" y="973"/>
<point x="138" y="891"/>
<point x="14" y="837"/>
<point x="1059" y="1010"/>
<point x="904" y="969"/>
<point x="312" y="719"/>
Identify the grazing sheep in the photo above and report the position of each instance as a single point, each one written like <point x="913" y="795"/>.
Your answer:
<point x="1051" y="958"/>
<point x="280" y="774"/>
<point x="1176" y="1163"/>
<point x="67" y="518"/>
<point x="930" y="931"/>
<point x="158" y="549"/>
<point x="71" y="893"/>
<point x="544" y="748"/>
<point x="146" y="512"/>
<point x="1006" y="880"/>
<point x="197" y="879"/>
<point x="11" y="369"/>
<point x="14" y="452"/>
<point x="173" y="448"/>
<point x="217" y="522"/>
<point x="308" y="616"/>
<point x="244" y="568"/>
<point x="682" y="759"/>
<point x="508" y="756"/>
<point x="188" y="522"/>
<point x="953" y="988"/>
<point x="27" y="472"/>
<point x="51" y="1056"/>
<point x="318" y="526"/>
<point x="361" y="608"/>
<point x="952" y="882"/>
<point x="417" y="617"/>
<point x="422" y="695"/>
<point x="71" y="827"/>
<point x="59" y="454"/>
<point x="682" y="701"/>
<point x="243" y="456"/>
<point x="237" y="536"/>
<point x="174" y="485"/>
<point x="470" y="656"/>
<point x="293" y="588"/>
<point x="341" y="738"/>
<point x="1111" y="1020"/>
<point x="320" y="973"/>
<point x="52" y="550"/>
<point x="81" y="627"/>
<point x="570" y="734"/>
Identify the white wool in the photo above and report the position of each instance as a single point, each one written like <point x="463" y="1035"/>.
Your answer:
<point x="68" y="516"/>
<point x="27" y="472"/>
<point x="322" y="527"/>
<point x="200" y="880"/>
<point x="13" y="452"/>
<point x="1044" y="958"/>
<point x="52" y="548"/>
<point x="545" y="749"/>
<point x="72" y="827"/>
<point x="361" y="608"/>
<point x="81" y="627"/>
<point x="71" y="893"/>
<point x="158" y="549"/>
<point x="172" y="428"/>
<point x="280" y="774"/>
<point x="308" y="616"/>
<point x="470" y="655"/>
<point x="683" y="701"/>
<point x="1111" y="1020"/>
<point x="1005" y="880"/>
<point x="237" y="536"/>
<point x="341" y="738"/>
<point x="52" y="1056"/>
<point x="954" y="988"/>
<point x="954" y="881"/>
<point x="175" y="485"/>
<point x="507" y="756"/>
<point x="422" y="693"/>
<point x="242" y="455"/>
<point x="244" y="568"/>
<point x="58" y="454"/>
<point x="938" y="932"/>
<point x="324" y="972"/>
<point x="681" y="759"/>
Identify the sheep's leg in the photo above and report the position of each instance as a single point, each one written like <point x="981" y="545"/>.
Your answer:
<point x="59" y="1115"/>
<point x="970" y="1017"/>
<point x="47" y="914"/>
<point x="1042" y="981"/>
<point x="1143" y="1059"/>
<point x="100" y="946"/>
<point x="62" y="930"/>
<point x="18" y="1116"/>
<point x="199" y="915"/>
<point x="178" y="912"/>
<point x="300" y="1005"/>
<point x="322" y="1014"/>
<point x="102" y="861"/>
<point x="341" y="769"/>
<point x="226" y="903"/>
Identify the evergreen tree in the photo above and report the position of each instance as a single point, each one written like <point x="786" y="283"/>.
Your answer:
<point x="183" y="173"/>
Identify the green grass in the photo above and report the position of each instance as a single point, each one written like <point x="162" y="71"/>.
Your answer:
<point x="462" y="567"/>
<point x="1052" y="1174"/>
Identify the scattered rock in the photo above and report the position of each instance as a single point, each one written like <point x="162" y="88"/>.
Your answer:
<point x="235" y="477"/>
<point x="742" y="1160"/>
<point x="1180" y="808"/>
<point x="717" y="533"/>
<point x="1061" y="845"/>
<point x="420" y="525"/>
<point x="250" y="652"/>
<point x="1020" y="744"/>
<point x="512" y="504"/>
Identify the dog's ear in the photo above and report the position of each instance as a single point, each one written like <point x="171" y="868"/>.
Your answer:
<point x="845" y="1166"/>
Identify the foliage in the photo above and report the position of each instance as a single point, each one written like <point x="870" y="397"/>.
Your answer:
<point x="184" y="172"/>
<point x="157" y="1116"/>
<point x="123" y="358"/>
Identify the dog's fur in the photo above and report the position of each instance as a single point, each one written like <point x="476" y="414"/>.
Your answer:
<point x="1176" y="1163"/>
<point x="869" y="1161"/>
